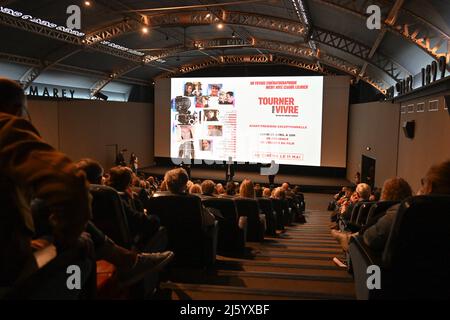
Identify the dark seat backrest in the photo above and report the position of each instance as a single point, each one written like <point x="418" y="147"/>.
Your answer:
<point x="377" y="210"/>
<point x="109" y="216"/>
<point x="181" y="215"/>
<point x="417" y="252"/>
<point x="266" y="207"/>
<point x="226" y="207"/>
<point x="363" y="212"/>
<point x="50" y="281"/>
<point x="250" y="209"/>
<point x="355" y="211"/>
<point x="279" y="210"/>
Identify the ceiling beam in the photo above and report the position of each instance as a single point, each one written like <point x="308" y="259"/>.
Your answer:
<point x="36" y="63"/>
<point x="420" y="37"/>
<point x="390" y="20"/>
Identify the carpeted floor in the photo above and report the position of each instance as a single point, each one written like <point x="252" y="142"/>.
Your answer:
<point x="297" y="264"/>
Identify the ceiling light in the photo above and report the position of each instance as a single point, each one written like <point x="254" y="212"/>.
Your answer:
<point x="144" y="30"/>
<point x="220" y="26"/>
<point x="87" y="3"/>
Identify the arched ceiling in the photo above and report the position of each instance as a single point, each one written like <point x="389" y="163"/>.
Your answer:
<point x="324" y="36"/>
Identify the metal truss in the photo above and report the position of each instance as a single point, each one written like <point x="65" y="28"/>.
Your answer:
<point x="36" y="63"/>
<point x="409" y="26"/>
<point x="68" y="36"/>
<point x="242" y="59"/>
<point x="111" y="31"/>
<point x="47" y="63"/>
<point x="329" y="60"/>
<point x="362" y="51"/>
<point x="99" y="85"/>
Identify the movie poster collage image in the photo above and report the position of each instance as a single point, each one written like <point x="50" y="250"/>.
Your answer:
<point x="198" y="119"/>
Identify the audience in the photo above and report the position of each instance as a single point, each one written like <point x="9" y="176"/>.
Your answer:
<point x="436" y="181"/>
<point x="208" y="187"/>
<point x="247" y="190"/>
<point x="141" y="225"/>
<point x="220" y="189"/>
<point x="195" y="189"/>
<point x="177" y="180"/>
<point x="267" y="193"/>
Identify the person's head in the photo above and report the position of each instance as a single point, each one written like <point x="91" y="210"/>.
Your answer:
<point x="215" y="90"/>
<point x="230" y="96"/>
<point x="92" y="169"/>
<point x="12" y="98"/>
<point x="195" y="188"/>
<point x="278" y="193"/>
<point x="230" y="188"/>
<point x="120" y="178"/>
<point x="188" y="88"/>
<point x="363" y="190"/>
<point x="151" y="180"/>
<point x="247" y="189"/>
<point x="285" y="186"/>
<point x="219" y="189"/>
<point x="208" y="187"/>
<point x="206" y="145"/>
<point x="395" y="189"/>
<point x="354" y="197"/>
<point x="267" y="193"/>
<point x="176" y="180"/>
<point x="437" y="179"/>
<point x="210" y="114"/>
<point x="258" y="191"/>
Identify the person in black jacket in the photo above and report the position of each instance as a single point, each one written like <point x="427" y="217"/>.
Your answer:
<point x="229" y="170"/>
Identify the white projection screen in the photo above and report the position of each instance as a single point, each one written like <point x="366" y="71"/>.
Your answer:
<point x="253" y="119"/>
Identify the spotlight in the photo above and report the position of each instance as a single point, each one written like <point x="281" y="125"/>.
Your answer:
<point x="220" y="26"/>
<point x="144" y="30"/>
<point x="208" y="15"/>
<point x="87" y="3"/>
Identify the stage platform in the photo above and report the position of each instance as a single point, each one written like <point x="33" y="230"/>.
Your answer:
<point x="307" y="183"/>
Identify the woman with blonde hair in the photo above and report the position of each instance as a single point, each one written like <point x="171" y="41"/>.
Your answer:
<point x="247" y="189"/>
<point x="195" y="189"/>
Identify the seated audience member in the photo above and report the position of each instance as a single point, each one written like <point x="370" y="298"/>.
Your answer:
<point x="230" y="188"/>
<point x="177" y="180"/>
<point x="258" y="191"/>
<point x="141" y="225"/>
<point x="30" y="167"/>
<point x="153" y="184"/>
<point x="247" y="190"/>
<point x="376" y="194"/>
<point x="195" y="189"/>
<point x="267" y="193"/>
<point x="163" y="186"/>
<point x="278" y="193"/>
<point x="208" y="188"/>
<point x="436" y="181"/>
<point x="394" y="189"/>
<point x="219" y="189"/>
<point x="362" y="193"/>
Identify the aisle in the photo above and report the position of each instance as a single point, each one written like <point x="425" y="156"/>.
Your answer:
<point x="295" y="265"/>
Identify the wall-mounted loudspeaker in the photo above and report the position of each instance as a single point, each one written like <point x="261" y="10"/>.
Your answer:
<point x="447" y="103"/>
<point x="408" y="128"/>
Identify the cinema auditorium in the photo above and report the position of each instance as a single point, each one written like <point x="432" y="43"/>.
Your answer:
<point x="203" y="151"/>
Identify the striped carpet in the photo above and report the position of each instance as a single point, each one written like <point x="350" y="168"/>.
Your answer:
<point x="297" y="264"/>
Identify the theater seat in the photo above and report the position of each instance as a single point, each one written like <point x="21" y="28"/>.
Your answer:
<point x="181" y="215"/>
<point x="363" y="213"/>
<point x="415" y="263"/>
<point x="256" y="226"/>
<point x="266" y="207"/>
<point x="377" y="211"/>
<point x="109" y="216"/>
<point x="232" y="233"/>
<point x="50" y="281"/>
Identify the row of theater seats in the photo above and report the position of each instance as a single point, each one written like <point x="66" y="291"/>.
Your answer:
<point x="181" y="231"/>
<point x="415" y="262"/>
<point x="243" y="220"/>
